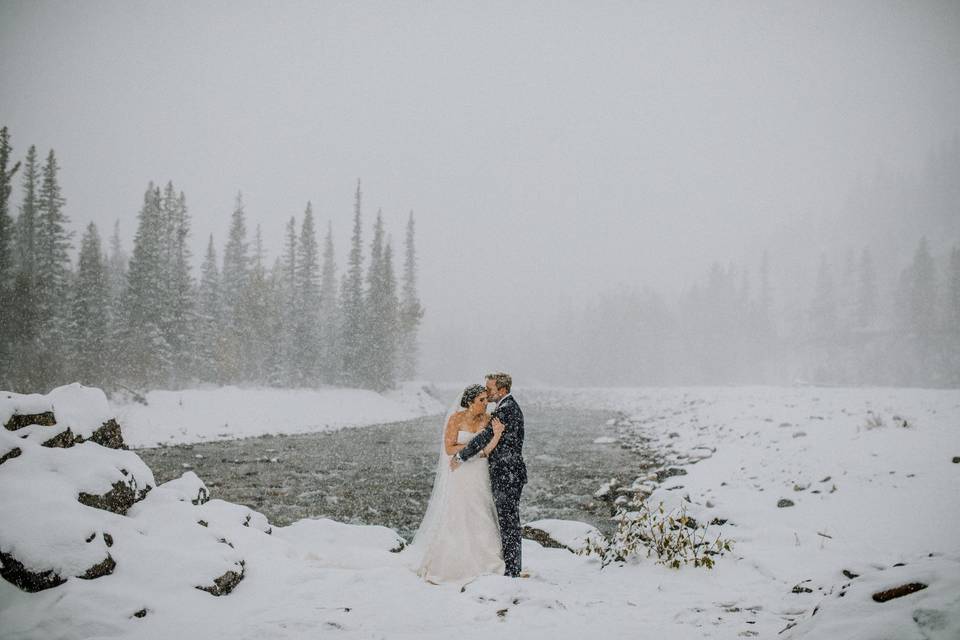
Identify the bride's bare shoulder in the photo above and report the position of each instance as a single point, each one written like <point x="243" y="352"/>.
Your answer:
<point x="456" y="417"/>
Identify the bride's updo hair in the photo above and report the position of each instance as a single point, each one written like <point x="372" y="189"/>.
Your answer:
<point x="470" y="394"/>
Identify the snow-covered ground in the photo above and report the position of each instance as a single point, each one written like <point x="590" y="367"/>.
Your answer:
<point x="224" y="413"/>
<point x="870" y="473"/>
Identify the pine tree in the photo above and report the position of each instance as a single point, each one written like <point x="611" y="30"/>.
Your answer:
<point x="952" y="305"/>
<point x="824" y="307"/>
<point x="385" y="371"/>
<point x="374" y="327"/>
<point x="353" y="330"/>
<point x="6" y="222"/>
<point x="27" y="220"/>
<point x="234" y="277"/>
<point x="179" y="331"/>
<point x="411" y="312"/>
<point x="286" y="369"/>
<point x="209" y="319"/>
<point x="257" y="318"/>
<point x="53" y="272"/>
<point x="236" y="260"/>
<point x="89" y="314"/>
<point x="867" y="291"/>
<point x="25" y="329"/>
<point x="143" y="353"/>
<point x="329" y="313"/>
<point x="923" y="297"/>
<point x="7" y="266"/>
<point x="766" y="297"/>
<point x="952" y="319"/>
<point x="307" y="283"/>
<point x="116" y="269"/>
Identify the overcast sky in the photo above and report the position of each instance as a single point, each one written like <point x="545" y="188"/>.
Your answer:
<point x="559" y="148"/>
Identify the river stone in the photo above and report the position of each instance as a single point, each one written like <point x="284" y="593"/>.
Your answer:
<point x="225" y="583"/>
<point x="898" y="592"/>
<point x="669" y="472"/>
<point x="63" y="440"/>
<point x="14" y="572"/>
<point x="13" y="453"/>
<point x="100" y="569"/>
<point x="119" y="499"/>
<point x="20" y="420"/>
<point x="109" y="435"/>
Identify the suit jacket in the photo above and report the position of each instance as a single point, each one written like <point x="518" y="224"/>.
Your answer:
<point x="507" y="468"/>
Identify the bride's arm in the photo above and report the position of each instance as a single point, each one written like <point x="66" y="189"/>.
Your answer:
<point x="450" y="437"/>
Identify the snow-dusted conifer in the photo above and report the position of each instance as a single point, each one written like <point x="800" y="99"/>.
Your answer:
<point x="352" y="305"/>
<point x="27" y="219"/>
<point x="233" y="280"/>
<point x="411" y="311"/>
<point x="209" y="313"/>
<point x="144" y="355"/>
<point x="329" y="313"/>
<point x="867" y="291"/>
<point x="374" y="325"/>
<point x="53" y="272"/>
<point x="89" y="329"/>
<point x="258" y="319"/>
<point x="178" y="286"/>
<point x="923" y="296"/>
<point x="308" y="301"/>
<point x="7" y="264"/>
<point x="25" y="327"/>
<point x="236" y="261"/>
<point x="823" y="309"/>
<point x="286" y="371"/>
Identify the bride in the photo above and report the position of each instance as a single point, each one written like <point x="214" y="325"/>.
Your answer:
<point x="459" y="537"/>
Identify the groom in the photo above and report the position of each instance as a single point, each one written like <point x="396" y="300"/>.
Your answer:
<point x="508" y="473"/>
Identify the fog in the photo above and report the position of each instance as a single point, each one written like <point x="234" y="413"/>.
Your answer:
<point x="568" y="164"/>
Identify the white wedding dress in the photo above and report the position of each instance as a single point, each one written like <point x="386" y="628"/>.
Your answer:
<point x="459" y="537"/>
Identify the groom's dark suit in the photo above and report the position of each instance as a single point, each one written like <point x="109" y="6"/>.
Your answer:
<point x="508" y="474"/>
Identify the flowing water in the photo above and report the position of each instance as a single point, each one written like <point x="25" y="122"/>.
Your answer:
<point x="383" y="474"/>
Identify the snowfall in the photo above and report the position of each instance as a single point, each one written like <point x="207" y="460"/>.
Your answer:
<point x="868" y="478"/>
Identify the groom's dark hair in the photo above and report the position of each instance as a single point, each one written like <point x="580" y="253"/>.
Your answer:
<point x="502" y="380"/>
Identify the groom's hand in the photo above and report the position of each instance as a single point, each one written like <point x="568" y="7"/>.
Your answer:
<point x="454" y="463"/>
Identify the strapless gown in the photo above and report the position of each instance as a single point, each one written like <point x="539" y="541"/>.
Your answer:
<point x="468" y="542"/>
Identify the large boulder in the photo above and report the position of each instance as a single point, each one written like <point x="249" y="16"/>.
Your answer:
<point x="66" y="416"/>
<point x="46" y="535"/>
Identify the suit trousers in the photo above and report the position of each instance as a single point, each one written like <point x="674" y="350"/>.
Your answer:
<point x="507" y="500"/>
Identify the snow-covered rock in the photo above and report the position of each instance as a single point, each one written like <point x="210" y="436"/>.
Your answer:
<point x="188" y="487"/>
<point x="916" y="600"/>
<point x="336" y="544"/>
<point x="68" y="415"/>
<point x="566" y="534"/>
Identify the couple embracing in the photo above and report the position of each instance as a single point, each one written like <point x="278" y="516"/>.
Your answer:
<point x="472" y="523"/>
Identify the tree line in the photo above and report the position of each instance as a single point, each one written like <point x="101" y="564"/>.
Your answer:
<point x="860" y="321"/>
<point x="142" y="320"/>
